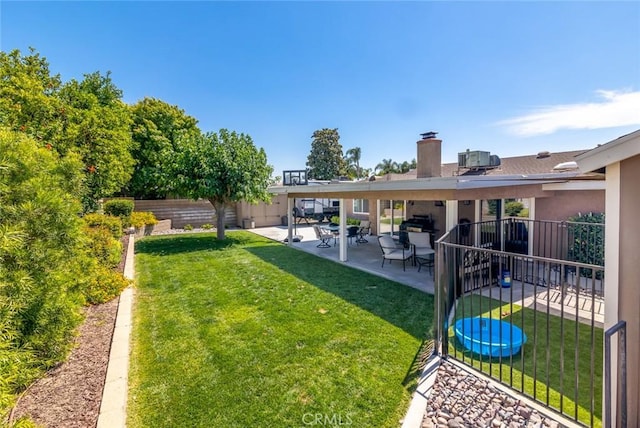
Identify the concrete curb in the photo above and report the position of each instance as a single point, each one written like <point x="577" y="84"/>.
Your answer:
<point x="113" y="408"/>
<point x="415" y="413"/>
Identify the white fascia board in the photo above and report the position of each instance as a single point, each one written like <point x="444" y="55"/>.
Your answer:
<point x="576" y="185"/>
<point x="439" y="183"/>
<point x="434" y="183"/>
<point x="499" y="183"/>
<point x="522" y="177"/>
<point x="614" y="151"/>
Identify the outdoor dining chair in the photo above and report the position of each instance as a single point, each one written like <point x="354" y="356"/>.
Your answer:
<point x="421" y="247"/>
<point x="323" y="235"/>
<point x="365" y="229"/>
<point x="392" y="251"/>
<point x="352" y="232"/>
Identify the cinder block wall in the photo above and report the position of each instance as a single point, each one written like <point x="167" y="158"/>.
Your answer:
<point x="185" y="211"/>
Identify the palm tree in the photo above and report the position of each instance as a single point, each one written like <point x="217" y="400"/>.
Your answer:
<point x="353" y="159"/>
<point x="386" y="166"/>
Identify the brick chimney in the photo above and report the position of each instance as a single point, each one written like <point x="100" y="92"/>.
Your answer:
<point x="429" y="160"/>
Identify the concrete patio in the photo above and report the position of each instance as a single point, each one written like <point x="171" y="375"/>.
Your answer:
<point x="365" y="256"/>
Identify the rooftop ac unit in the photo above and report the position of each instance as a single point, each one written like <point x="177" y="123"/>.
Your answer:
<point x="462" y="160"/>
<point x="474" y="159"/>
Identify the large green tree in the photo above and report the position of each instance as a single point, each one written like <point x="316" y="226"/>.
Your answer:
<point x="224" y="168"/>
<point x="85" y="117"/>
<point x="28" y="97"/>
<point x="407" y="166"/>
<point x="99" y="129"/>
<point x="325" y="161"/>
<point x="352" y="159"/>
<point x="386" y="166"/>
<point x="157" y="130"/>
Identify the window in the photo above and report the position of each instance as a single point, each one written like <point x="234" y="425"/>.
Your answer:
<point x="361" y="206"/>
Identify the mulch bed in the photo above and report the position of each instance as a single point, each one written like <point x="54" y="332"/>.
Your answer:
<point x="70" y="394"/>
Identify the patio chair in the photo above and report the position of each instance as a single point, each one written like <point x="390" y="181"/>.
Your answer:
<point x="352" y="232"/>
<point x="365" y="229"/>
<point x="392" y="251"/>
<point x="324" y="236"/>
<point x="423" y="253"/>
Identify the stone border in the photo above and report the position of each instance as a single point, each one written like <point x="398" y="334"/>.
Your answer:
<point x="415" y="413"/>
<point x="113" y="407"/>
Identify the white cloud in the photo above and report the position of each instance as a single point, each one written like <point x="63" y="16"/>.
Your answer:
<point x="617" y="108"/>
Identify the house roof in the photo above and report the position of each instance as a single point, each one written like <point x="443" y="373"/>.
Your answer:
<point x="527" y="174"/>
<point x="435" y="188"/>
<point x="614" y="151"/>
<point x="518" y="165"/>
<point x="529" y="164"/>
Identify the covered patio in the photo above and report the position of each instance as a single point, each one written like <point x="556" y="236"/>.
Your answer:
<point x="363" y="256"/>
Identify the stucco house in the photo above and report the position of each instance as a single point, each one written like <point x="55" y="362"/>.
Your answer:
<point x="555" y="186"/>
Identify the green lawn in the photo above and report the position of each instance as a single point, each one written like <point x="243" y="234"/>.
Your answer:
<point x="248" y="332"/>
<point x="533" y="358"/>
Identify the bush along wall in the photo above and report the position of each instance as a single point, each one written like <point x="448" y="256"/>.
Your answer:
<point x="50" y="265"/>
<point x="120" y="208"/>
<point x="586" y="234"/>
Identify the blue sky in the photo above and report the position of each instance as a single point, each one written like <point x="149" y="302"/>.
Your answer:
<point x="512" y="78"/>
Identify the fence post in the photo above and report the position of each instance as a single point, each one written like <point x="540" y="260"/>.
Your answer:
<point x="621" y="327"/>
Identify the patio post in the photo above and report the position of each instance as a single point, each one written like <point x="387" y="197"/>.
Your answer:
<point x="343" y="231"/>
<point x="451" y="209"/>
<point x="289" y="221"/>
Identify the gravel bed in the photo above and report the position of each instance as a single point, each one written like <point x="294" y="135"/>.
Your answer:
<point x="460" y="399"/>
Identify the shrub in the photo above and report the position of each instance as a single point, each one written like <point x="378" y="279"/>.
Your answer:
<point x="120" y="208"/>
<point x="350" y="221"/>
<point x="587" y="240"/>
<point x="513" y="208"/>
<point x="102" y="245"/>
<point x="207" y="226"/>
<point x="105" y="285"/>
<point x="524" y="213"/>
<point x="143" y="218"/>
<point x="40" y="241"/>
<point x="111" y="223"/>
<point x="188" y="227"/>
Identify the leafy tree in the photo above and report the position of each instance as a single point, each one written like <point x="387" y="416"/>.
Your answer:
<point x="157" y="130"/>
<point x="28" y="97"/>
<point x="223" y="168"/>
<point x="87" y="118"/>
<point x="98" y="128"/>
<point x="352" y="159"/>
<point x="325" y="160"/>
<point x="405" y="166"/>
<point x="387" y="166"/>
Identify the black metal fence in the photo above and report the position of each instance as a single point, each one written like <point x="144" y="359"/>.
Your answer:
<point x="533" y="277"/>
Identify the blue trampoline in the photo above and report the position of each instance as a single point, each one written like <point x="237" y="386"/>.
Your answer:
<point x="490" y="337"/>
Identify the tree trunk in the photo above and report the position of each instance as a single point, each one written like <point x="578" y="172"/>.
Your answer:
<point x="220" y="214"/>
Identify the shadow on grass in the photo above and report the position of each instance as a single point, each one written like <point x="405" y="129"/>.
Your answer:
<point x="407" y="308"/>
<point x="187" y="243"/>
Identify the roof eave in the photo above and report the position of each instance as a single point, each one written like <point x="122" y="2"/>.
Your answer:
<point x="609" y="153"/>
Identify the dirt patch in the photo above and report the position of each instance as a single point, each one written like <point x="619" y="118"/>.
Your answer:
<point x="70" y="394"/>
